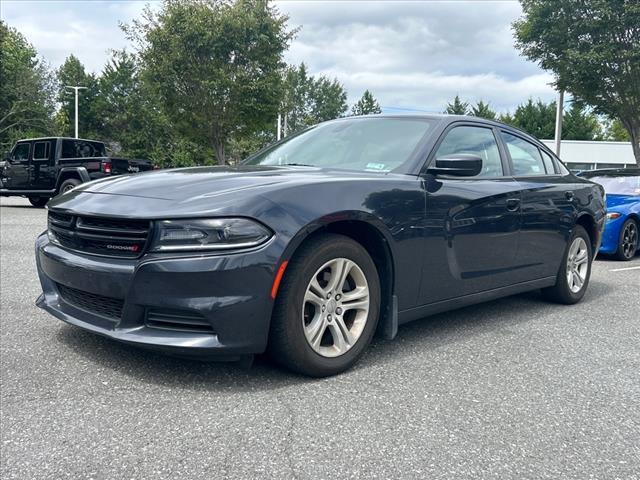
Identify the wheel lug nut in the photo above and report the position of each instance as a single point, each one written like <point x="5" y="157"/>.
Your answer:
<point x="328" y="295"/>
<point x="323" y="308"/>
<point x="338" y="311"/>
<point x="329" y="317"/>
<point x="338" y="296"/>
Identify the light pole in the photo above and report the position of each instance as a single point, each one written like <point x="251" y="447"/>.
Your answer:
<point x="76" y="91"/>
<point x="559" y="110"/>
<point x="279" y="129"/>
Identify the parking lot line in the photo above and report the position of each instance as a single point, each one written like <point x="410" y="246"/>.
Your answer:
<point x="624" y="269"/>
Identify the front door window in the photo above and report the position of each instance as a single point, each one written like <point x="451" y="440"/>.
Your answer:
<point x="478" y="141"/>
<point x="21" y="153"/>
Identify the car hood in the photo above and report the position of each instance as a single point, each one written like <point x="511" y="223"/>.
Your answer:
<point x="200" y="191"/>
<point x="183" y="184"/>
<point x="621" y="201"/>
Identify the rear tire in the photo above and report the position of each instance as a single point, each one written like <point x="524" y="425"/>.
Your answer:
<point x="69" y="184"/>
<point x="38" y="202"/>
<point x="628" y="241"/>
<point x="575" y="270"/>
<point x="327" y="307"/>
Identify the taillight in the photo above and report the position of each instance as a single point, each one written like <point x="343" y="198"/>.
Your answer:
<point x="106" y="167"/>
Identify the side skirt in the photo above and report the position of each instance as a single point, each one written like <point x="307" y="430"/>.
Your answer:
<point x="6" y="192"/>
<point x="406" y="316"/>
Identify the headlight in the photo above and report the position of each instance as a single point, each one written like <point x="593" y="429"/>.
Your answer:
<point x="613" y="215"/>
<point x="208" y="234"/>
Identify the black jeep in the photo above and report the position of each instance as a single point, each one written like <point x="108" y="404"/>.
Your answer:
<point x="40" y="168"/>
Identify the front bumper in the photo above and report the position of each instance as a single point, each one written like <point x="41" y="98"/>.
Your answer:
<point x="229" y="293"/>
<point x="611" y="235"/>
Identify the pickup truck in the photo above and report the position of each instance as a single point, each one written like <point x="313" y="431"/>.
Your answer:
<point x="41" y="168"/>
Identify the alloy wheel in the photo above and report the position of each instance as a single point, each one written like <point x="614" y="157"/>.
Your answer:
<point x="630" y="240"/>
<point x="335" y="307"/>
<point x="577" y="264"/>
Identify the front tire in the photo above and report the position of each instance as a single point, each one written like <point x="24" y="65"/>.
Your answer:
<point x="38" y="202"/>
<point x="575" y="270"/>
<point x="327" y="308"/>
<point x="69" y="185"/>
<point x="628" y="241"/>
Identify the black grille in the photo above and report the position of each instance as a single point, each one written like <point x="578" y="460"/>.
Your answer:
<point x="177" y="320"/>
<point x="98" y="304"/>
<point x="112" y="237"/>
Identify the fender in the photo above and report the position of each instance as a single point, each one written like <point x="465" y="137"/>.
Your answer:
<point x="348" y="215"/>
<point x="81" y="172"/>
<point x="388" y="322"/>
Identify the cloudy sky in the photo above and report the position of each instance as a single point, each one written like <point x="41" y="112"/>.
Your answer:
<point x="412" y="55"/>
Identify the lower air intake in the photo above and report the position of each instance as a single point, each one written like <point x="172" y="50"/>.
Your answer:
<point x="92" y="303"/>
<point x="177" y="321"/>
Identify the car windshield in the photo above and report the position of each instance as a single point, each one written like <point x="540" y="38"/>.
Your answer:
<point x="364" y="144"/>
<point x="622" y="185"/>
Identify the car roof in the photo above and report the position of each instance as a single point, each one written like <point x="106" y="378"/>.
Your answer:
<point x="57" y="138"/>
<point x="442" y="117"/>
<point x="611" y="172"/>
<point x="446" y="119"/>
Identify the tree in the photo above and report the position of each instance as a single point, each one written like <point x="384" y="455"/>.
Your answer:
<point x="367" y="105"/>
<point x="535" y="118"/>
<point x="215" y="65"/>
<point x="26" y="102"/>
<point x="483" y="110"/>
<point x="72" y="73"/>
<point x="506" y="118"/>
<point x="328" y="100"/>
<point x="457" y="107"/>
<point x="593" y="48"/>
<point x="132" y="123"/>
<point x="615" y="131"/>
<point x="307" y="100"/>
<point x="296" y="98"/>
<point x="579" y="124"/>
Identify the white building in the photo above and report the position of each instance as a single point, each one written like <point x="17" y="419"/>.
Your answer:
<point x="588" y="155"/>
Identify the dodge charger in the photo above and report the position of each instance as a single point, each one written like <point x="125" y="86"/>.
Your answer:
<point x="313" y="245"/>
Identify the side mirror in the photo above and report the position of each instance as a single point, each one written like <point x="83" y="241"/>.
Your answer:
<point x="458" y="164"/>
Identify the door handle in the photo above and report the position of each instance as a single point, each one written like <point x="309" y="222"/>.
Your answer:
<point x="513" y="204"/>
<point x="569" y="195"/>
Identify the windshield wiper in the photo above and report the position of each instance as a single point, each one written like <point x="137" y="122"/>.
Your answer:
<point x="296" y="165"/>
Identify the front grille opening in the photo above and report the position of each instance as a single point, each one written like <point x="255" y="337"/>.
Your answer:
<point x="113" y="237"/>
<point x="60" y="219"/>
<point x="97" y="304"/>
<point x="177" y="321"/>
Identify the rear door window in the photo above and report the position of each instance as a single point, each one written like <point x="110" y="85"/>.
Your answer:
<point x="525" y="156"/>
<point x="41" y="151"/>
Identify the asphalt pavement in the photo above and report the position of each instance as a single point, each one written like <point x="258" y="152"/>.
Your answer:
<point x="516" y="388"/>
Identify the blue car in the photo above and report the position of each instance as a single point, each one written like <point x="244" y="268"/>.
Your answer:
<point x="622" y="187"/>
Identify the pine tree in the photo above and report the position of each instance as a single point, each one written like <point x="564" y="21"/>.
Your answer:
<point x="579" y="124"/>
<point x="457" y="107"/>
<point x="483" y="110"/>
<point x="367" y="105"/>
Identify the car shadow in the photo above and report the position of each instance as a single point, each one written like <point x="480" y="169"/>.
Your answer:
<point x="494" y="317"/>
<point x="428" y="333"/>
<point x="611" y="259"/>
<point x="170" y="371"/>
<point x="26" y="207"/>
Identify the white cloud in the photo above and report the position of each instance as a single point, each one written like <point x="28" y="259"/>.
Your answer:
<point x="410" y="54"/>
<point x="87" y="29"/>
<point x="417" y="54"/>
